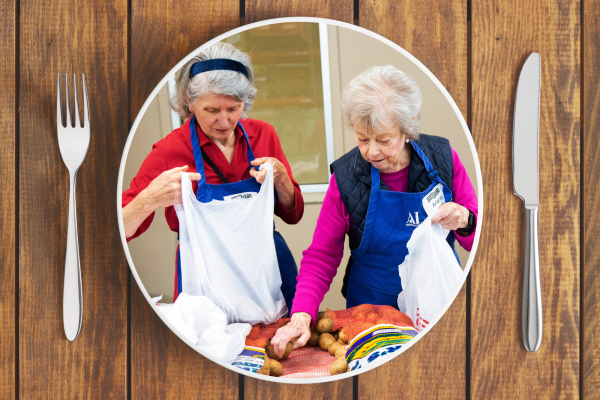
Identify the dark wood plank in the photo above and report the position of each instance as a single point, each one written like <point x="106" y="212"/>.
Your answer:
<point x="162" y="33"/>
<point x="259" y="10"/>
<point x="591" y="191"/>
<point x="258" y="389"/>
<point x="66" y="36"/>
<point x="504" y="34"/>
<point x="7" y="199"/>
<point x="165" y="31"/>
<point x="437" y="362"/>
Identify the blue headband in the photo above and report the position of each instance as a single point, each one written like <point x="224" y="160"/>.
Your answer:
<point x="218" y="64"/>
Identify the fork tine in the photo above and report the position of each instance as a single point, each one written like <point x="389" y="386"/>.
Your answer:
<point x="77" y="121"/>
<point x="86" y="112"/>
<point x="59" y="117"/>
<point x="69" y="123"/>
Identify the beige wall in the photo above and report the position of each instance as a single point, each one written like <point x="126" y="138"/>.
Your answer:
<point x="351" y="53"/>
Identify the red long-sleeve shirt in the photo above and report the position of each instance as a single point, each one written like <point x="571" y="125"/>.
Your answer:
<point x="175" y="150"/>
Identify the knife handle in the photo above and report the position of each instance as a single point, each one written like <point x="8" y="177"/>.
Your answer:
<point x="532" y="294"/>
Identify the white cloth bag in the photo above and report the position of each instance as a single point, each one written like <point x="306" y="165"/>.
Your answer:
<point x="429" y="274"/>
<point x="204" y="324"/>
<point x="228" y="253"/>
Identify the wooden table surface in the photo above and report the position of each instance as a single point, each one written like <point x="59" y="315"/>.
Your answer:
<point x="475" y="48"/>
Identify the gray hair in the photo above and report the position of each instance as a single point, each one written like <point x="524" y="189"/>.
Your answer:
<point x="221" y="82"/>
<point x="382" y="97"/>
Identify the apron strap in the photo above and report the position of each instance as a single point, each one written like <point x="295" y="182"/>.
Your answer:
<point x="196" y="148"/>
<point x="249" y="152"/>
<point x="199" y="153"/>
<point x="431" y="171"/>
<point x="213" y="166"/>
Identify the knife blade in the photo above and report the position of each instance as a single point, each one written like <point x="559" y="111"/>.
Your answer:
<point x="526" y="186"/>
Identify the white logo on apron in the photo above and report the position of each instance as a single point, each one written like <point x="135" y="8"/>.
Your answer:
<point x="413" y="221"/>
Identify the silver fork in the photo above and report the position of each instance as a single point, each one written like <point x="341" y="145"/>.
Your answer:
<point x="74" y="142"/>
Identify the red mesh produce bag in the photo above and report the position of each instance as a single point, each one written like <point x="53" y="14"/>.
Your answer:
<point x="311" y="361"/>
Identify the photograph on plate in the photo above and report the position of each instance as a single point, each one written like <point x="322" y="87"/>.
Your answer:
<point x="300" y="200"/>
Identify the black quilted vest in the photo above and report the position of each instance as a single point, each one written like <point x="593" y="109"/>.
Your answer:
<point x="353" y="177"/>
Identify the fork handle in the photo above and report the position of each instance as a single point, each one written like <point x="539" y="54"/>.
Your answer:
<point x="72" y="291"/>
<point x="532" y="293"/>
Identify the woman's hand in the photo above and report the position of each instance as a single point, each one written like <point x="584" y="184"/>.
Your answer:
<point x="163" y="191"/>
<point x="299" y="326"/>
<point x="451" y="216"/>
<point x="281" y="180"/>
<point x="279" y="172"/>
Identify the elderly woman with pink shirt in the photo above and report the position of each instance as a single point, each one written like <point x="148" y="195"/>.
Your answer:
<point x="379" y="192"/>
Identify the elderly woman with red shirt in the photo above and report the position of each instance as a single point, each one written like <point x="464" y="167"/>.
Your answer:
<point x="214" y="90"/>
<point x="379" y="192"/>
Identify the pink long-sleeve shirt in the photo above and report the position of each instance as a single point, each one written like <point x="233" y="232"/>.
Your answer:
<point x="322" y="258"/>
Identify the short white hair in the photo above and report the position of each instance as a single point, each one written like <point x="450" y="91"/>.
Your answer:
<point x="220" y="82"/>
<point x="382" y="97"/>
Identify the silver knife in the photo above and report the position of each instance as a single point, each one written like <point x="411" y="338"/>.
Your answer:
<point x="526" y="185"/>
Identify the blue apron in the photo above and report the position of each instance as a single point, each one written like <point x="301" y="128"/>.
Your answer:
<point x="391" y="219"/>
<point x="208" y="192"/>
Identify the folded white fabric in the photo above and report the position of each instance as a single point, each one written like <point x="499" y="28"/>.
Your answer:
<point x="225" y="342"/>
<point x="204" y="324"/>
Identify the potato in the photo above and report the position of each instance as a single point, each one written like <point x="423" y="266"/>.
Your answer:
<point x="266" y="367"/>
<point x="360" y="315"/>
<point x="276" y="368"/>
<point x="372" y="317"/>
<point x="325" y="341"/>
<point x="324" y="326"/>
<point x="333" y="347"/>
<point x="384" y="321"/>
<point x="361" y="326"/>
<point x="403" y="320"/>
<point x="254" y="331"/>
<point x="340" y="352"/>
<point x="343" y="336"/>
<point x="271" y="351"/>
<point x="387" y="311"/>
<point x="314" y="338"/>
<point x="363" y="308"/>
<point x="326" y="314"/>
<point x="339" y="366"/>
<point x="288" y="349"/>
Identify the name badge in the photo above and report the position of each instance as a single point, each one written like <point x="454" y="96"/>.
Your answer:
<point x="434" y="199"/>
<point x="240" y="196"/>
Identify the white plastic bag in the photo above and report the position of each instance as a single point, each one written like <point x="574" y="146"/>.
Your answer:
<point x="204" y="324"/>
<point x="228" y="253"/>
<point x="429" y="274"/>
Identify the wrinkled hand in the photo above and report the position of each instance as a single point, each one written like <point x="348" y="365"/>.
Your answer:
<point x="299" y="326"/>
<point x="165" y="189"/>
<point x="280" y="174"/>
<point x="451" y="216"/>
